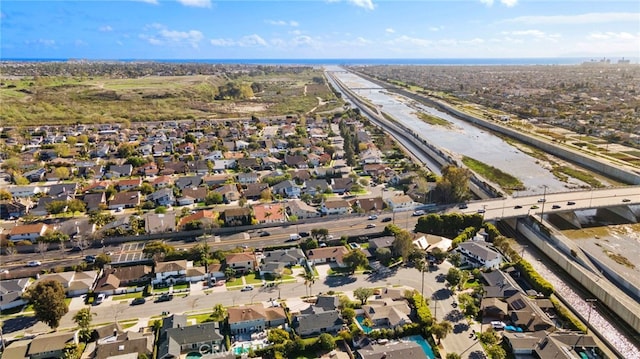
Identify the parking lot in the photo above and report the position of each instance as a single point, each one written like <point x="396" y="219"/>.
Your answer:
<point x="129" y="252"/>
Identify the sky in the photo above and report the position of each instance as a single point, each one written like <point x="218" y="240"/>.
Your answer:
<point x="318" y="29"/>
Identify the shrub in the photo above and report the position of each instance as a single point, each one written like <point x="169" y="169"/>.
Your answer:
<point x="537" y="282"/>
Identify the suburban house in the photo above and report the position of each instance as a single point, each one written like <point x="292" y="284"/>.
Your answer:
<point x="159" y="222"/>
<point x="29" y="232"/>
<point x="287" y="189"/>
<point x="247" y="178"/>
<point x="197" y="193"/>
<point x="116" y="171"/>
<point x="315" y="186"/>
<point x="381" y="242"/>
<point x="241" y="262"/>
<point x="375" y="204"/>
<point x="254" y="318"/>
<point x="51" y="345"/>
<point x="161" y="182"/>
<point x="558" y="345"/>
<point x="525" y="314"/>
<point x="336" y="206"/>
<point x="122" y="343"/>
<point x="171" y="272"/>
<point x="301" y="210"/>
<point x="316" y="321"/>
<point x="117" y="279"/>
<point x="162" y="197"/>
<point x="125" y="200"/>
<point x="177" y="338"/>
<point x="74" y="283"/>
<point x="254" y="191"/>
<point x="499" y="285"/>
<point x="128" y="184"/>
<point x="188" y="182"/>
<point x="327" y="255"/>
<point x="269" y="213"/>
<point x="341" y="185"/>
<point x="392" y="350"/>
<point x="206" y="217"/>
<point x="275" y="261"/>
<point x="478" y="254"/>
<point x="494" y="308"/>
<point x="11" y="292"/>
<point x="12" y="209"/>
<point x="387" y="313"/>
<point x="94" y="201"/>
<point x="239" y="216"/>
<point x="229" y="192"/>
<point x="400" y="203"/>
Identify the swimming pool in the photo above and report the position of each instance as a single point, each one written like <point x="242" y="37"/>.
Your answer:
<point x="365" y="329"/>
<point x="194" y="355"/>
<point x="423" y="343"/>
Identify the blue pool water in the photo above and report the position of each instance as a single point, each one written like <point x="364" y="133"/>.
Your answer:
<point x="194" y="355"/>
<point x="365" y="329"/>
<point x="423" y="343"/>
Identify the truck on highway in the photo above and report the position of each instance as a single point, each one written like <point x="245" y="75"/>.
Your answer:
<point x="294" y="237"/>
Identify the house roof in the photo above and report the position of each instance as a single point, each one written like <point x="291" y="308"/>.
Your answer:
<point x="125" y="346"/>
<point x="254" y="312"/>
<point x="236" y="212"/>
<point x="172" y="266"/>
<point x="51" y="342"/>
<point x="112" y="277"/>
<point x="124" y="198"/>
<point x="480" y="250"/>
<point x="393" y="350"/>
<point x="338" y="203"/>
<point x="28" y="228"/>
<point x="315" y="321"/>
<point x="381" y="242"/>
<point x="283" y="255"/>
<point x="336" y="252"/>
<point x="240" y="257"/>
<point x="199" y="216"/>
<point x="275" y="210"/>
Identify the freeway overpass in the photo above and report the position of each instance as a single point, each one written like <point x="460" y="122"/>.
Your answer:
<point x="519" y="206"/>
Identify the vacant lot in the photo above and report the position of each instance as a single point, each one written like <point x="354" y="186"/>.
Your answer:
<point x="79" y="99"/>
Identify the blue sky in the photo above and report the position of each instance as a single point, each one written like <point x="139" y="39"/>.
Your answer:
<point x="237" y="29"/>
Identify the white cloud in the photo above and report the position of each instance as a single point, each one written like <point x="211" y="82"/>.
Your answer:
<point x="43" y="42"/>
<point x="196" y="3"/>
<point x="435" y="28"/>
<point x="536" y="34"/>
<point x="390" y="30"/>
<point x="509" y="3"/>
<point x="589" y="18"/>
<point x="367" y="4"/>
<point x="407" y="40"/>
<point x="282" y="23"/>
<point x="154" y="2"/>
<point x="105" y="28"/>
<point x="609" y="35"/>
<point x="165" y="36"/>
<point x="487" y="2"/>
<point x="253" y="40"/>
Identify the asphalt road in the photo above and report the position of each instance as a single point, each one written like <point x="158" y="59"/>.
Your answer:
<point x="434" y="287"/>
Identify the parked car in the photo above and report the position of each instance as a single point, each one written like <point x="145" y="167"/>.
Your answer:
<point x="34" y="264"/>
<point x="138" y="301"/>
<point x="373" y="217"/>
<point x="555" y="206"/>
<point x="517" y="207"/>
<point x="303" y="234"/>
<point x="570" y="203"/>
<point x="482" y="210"/>
<point x="370" y="225"/>
<point x="386" y="219"/>
<point x="418" y="213"/>
<point x="354" y="245"/>
<point x="164" y="298"/>
<point x="246" y="288"/>
<point x="90" y="259"/>
<point x="463" y="206"/>
<point x="264" y="234"/>
<point x="99" y="299"/>
<point x="626" y="200"/>
<point x="541" y="200"/>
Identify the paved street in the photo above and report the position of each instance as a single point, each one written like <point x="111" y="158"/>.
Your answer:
<point x="198" y="301"/>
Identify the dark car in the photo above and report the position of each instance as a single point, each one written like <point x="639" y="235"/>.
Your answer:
<point x="90" y="259"/>
<point x="555" y="206"/>
<point x="626" y="200"/>
<point x="463" y="206"/>
<point x="517" y="207"/>
<point x="570" y="203"/>
<point x="138" y="301"/>
<point x="264" y="234"/>
<point x="303" y="234"/>
<point x="386" y="219"/>
<point x="164" y="298"/>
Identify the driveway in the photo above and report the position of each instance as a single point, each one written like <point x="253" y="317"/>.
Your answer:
<point x="323" y="270"/>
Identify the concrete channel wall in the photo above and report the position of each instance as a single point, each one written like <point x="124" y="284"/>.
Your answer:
<point x="610" y="296"/>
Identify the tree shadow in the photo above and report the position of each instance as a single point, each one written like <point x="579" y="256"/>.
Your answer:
<point x="441" y="294"/>
<point x="336" y="281"/>
<point x="18" y="323"/>
<point x="460" y="327"/>
<point x="477" y="354"/>
<point x="454" y="316"/>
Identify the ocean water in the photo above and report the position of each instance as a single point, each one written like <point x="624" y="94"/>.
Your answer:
<point x="316" y="62"/>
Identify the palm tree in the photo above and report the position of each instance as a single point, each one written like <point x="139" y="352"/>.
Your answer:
<point x="309" y="279"/>
<point x="421" y="264"/>
<point x="219" y="313"/>
<point x="440" y="330"/>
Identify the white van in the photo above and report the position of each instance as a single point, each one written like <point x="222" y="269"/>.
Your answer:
<point x="99" y="299"/>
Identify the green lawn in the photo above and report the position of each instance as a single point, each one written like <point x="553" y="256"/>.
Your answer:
<point x="200" y="318"/>
<point x="29" y="307"/>
<point x="235" y="282"/>
<point x="127" y="296"/>
<point x="253" y="278"/>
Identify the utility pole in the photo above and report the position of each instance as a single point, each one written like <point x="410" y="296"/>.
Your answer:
<point x="544" y="200"/>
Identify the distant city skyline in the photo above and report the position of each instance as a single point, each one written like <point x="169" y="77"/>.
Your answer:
<point x="318" y="29"/>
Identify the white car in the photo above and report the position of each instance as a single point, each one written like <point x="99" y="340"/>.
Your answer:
<point x="246" y="288"/>
<point x="373" y="217"/>
<point x="34" y="263"/>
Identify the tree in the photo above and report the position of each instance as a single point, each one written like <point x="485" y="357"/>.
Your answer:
<point x="126" y="150"/>
<point x="326" y="341"/>
<point x="441" y="329"/>
<point x="319" y="233"/>
<point x="363" y="294"/>
<point x="102" y="259"/>
<point x="453" y="277"/>
<point x="496" y="352"/>
<point x="54" y="237"/>
<point x="76" y="205"/>
<point x="56" y="207"/>
<point x="355" y="259"/>
<point x="229" y="273"/>
<point x="83" y="319"/>
<point x="383" y="254"/>
<point x="47" y="298"/>
<point x="100" y="219"/>
<point x="213" y="198"/>
<point x="453" y="186"/>
<point x="309" y="279"/>
<point x="5" y="195"/>
<point x="278" y="336"/>
<point x="62" y="173"/>
<point x="438" y="254"/>
<point x="421" y="265"/>
<point x="453" y="356"/>
<point x="147" y="188"/>
<point x="219" y="313"/>
<point x="160" y="210"/>
<point x="348" y="314"/>
<point x="157" y="247"/>
<point x="402" y="245"/>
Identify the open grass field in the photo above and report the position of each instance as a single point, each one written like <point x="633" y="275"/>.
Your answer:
<point x="68" y="100"/>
